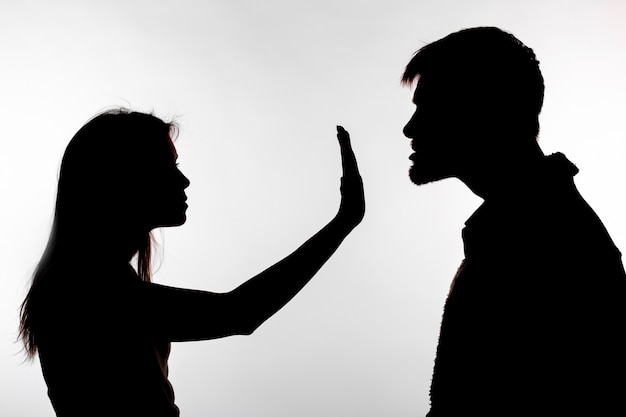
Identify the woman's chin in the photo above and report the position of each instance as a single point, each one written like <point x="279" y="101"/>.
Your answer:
<point x="173" y="222"/>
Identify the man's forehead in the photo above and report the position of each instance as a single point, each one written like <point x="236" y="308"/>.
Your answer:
<point x="431" y="88"/>
<point x="420" y="90"/>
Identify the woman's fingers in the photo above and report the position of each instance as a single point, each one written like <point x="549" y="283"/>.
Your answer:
<point x="352" y="206"/>
<point x="348" y="160"/>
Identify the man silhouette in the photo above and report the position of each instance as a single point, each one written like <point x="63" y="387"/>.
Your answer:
<point x="532" y="323"/>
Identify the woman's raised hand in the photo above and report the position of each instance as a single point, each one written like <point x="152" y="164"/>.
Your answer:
<point x="352" y="208"/>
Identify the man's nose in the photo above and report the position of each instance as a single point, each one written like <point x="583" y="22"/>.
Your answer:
<point x="411" y="126"/>
<point x="408" y="129"/>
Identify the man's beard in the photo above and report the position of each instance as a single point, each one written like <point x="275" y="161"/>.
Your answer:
<point x="422" y="172"/>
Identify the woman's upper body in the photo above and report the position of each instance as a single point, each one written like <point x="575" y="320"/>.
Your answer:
<point x="99" y="351"/>
<point x="104" y="343"/>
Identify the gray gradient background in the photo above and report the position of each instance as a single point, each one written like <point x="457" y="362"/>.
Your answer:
<point x="258" y="87"/>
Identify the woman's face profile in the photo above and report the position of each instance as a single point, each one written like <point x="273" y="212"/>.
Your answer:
<point x="164" y="203"/>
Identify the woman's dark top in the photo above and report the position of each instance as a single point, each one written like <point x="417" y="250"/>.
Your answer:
<point x="104" y="342"/>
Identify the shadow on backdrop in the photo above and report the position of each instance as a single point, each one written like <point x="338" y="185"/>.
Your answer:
<point x="103" y="330"/>
<point x="533" y="322"/>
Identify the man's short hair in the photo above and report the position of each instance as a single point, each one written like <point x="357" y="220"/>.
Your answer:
<point x="490" y="68"/>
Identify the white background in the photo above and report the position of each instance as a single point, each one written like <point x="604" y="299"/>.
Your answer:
<point x="258" y="87"/>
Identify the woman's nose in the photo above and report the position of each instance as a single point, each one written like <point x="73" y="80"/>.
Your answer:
<point x="185" y="180"/>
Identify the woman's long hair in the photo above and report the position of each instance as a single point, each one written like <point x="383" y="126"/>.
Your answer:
<point x="102" y="169"/>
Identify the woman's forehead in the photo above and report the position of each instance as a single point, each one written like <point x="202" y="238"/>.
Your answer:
<point x="172" y="148"/>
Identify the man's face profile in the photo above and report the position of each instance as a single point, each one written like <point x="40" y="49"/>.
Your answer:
<point x="437" y="135"/>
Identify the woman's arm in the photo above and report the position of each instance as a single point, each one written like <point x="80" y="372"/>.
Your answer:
<point x="259" y="298"/>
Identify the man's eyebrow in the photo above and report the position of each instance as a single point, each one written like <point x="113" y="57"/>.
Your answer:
<point x="417" y="89"/>
<point x="414" y="100"/>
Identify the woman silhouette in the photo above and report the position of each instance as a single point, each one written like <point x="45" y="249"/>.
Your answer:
<point x="102" y="330"/>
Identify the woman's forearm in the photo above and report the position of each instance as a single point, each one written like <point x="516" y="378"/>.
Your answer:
<point x="263" y="295"/>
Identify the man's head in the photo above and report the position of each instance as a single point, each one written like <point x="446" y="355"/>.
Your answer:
<point x="478" y="97"/>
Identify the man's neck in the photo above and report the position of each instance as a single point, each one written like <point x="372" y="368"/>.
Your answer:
<point x="505" y="175"/>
